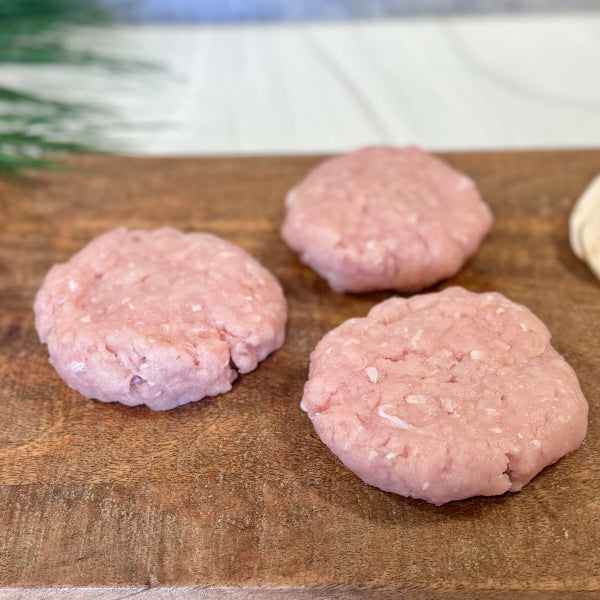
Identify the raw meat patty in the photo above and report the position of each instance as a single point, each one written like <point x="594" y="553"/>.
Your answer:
<point x="445" y="396"/>
<point x="158" y="317"/>
<point x="385" y="218"/>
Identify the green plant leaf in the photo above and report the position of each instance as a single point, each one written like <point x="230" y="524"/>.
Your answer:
<point x="36" y="132"/>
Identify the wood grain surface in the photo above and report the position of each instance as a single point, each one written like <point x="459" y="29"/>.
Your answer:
<point x="235" y="496"/>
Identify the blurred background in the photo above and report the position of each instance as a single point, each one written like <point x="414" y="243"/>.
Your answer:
<point x="193" y="77"/>
<point x="260" y="10"/>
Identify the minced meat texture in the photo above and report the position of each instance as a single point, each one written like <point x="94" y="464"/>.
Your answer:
<point x="385" y="218"/>
<point x="158" y="317"/>
<point x="445" y="396"/>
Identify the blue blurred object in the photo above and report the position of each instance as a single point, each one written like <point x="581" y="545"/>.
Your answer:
<point x="222" y="11"/>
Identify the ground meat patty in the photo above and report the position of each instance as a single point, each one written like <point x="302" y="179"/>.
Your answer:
<point x="158" y="317"/>
<point x="385" y="218"/>
<point x="445" y="396"/>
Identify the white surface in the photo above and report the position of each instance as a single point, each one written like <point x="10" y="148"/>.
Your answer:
<point x="446" y="84"/>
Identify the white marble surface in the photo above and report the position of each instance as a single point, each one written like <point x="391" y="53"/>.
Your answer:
<point x="480" y="82"/>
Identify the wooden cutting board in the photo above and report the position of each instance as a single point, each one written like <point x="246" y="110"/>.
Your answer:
<point x="236" y="494"/>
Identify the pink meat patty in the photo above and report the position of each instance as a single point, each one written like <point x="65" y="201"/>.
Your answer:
<point x="158" y="317"/>
<point x="385" y="218"/>
<point x="445" y="396"/>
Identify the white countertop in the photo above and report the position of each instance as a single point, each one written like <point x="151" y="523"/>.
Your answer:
<point x="481" y="82"/>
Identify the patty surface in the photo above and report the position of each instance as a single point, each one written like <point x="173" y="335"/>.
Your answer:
<point x="158" y="317"/>
<point x="385" y="218"/>
<point x="444" y="396"/>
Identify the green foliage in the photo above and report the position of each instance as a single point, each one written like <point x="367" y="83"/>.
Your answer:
<point x="29" y="11"/>
<point x="34" y="131"/>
